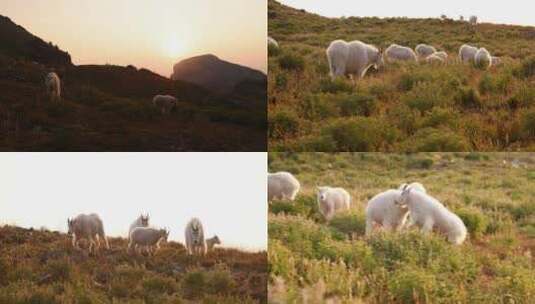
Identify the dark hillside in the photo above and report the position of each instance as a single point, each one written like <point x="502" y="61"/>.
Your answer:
<point x="19" y="43"/>
<point x="108" y="108"/>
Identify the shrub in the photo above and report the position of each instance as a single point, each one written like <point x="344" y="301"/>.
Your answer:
<point x="281" y="80"/>
<point x="468" y="97"/>
<point x="435" y="140"/>
<point x="59" y="270"/>
<point x="283" y="124"/>
<point x="292" y="62"/>
<point x="523" y="97"/>
<point x="335" y="86"/>
<point x="420" y="163"/>
<point x="349" y="223"/>
<point x="486" y="84"/>
<point x="526" y="68"/>
<point x="424" y="97"/>
<point x="360" y="134"/>
<point x="220" y="281"/>
<point x="354" y="104"/>
<point x="474" y="220"/>
<point x="413" y="285"/>
<point x="316" y="107"/>
<point x="527" y="122"/>
<point x="194" y="284"/>
<point x="159" y="285"/>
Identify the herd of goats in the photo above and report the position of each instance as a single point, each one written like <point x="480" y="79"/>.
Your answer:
<point x="390" y="209"/>
<point x="354" y="58"/>
<point x="165" y="103"/>
<point x="140" y="235"/>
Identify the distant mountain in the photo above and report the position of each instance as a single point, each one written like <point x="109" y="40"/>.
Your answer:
<point x="17" y="42"/>
<point x="215" y="74"/>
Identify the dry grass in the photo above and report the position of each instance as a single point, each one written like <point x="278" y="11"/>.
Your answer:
<point x="42" y="267"/>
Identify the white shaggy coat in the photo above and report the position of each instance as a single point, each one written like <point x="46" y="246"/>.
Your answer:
<point x="272" y="42"/>
<point x="53" y="86"/>
<point x="147" y="237"/>
<point x="483" y="59"/>
<point x="442" y="55"/>
<point x="141" y="221"/>
<point x="332" y="200"/>
<point x="434" y="58"/>
<point x="424" y="50"/>
<point x="195" y="243"/>
<point x="282" y="186"/>
<point x="87" y="226"/>
<point x="397" y="52"/>
<point x="428" y="214"/>
<point x="165" y="103"/>
<point x="382" y="210"/>
<point x="352" y="58"/>
<point x="467" y="53"/>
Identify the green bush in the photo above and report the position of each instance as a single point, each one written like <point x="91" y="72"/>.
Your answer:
<point x="474" y="220"/>
<point x="360" y="134"/>
<point x="292" y="62"/>
<point x="527" y="123"/>
<point x="526" y="68"/>
<point x="194" y="284"/>
<point x="413" y="285"/>
<point x="283" y="124"/>
<point x="337" y="85"/>
<point x="435" y="140"/>
<point x="468" y="97"/>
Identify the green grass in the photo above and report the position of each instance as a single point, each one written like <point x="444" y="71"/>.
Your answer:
<point x="475" y="110"/>
<point x="311" y="260"/>
<point x="42" y="267"/>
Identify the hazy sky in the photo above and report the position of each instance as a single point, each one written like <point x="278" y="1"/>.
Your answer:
<point x="227" y="191"/>
<point x="152" y="34"/>
<point x="510" y="12"/>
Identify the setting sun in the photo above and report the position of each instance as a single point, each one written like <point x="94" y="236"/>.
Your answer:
<point x="174" y="48"/>
<point x="142" y="34"/>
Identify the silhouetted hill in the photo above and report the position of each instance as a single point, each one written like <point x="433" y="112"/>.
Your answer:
<point x="131" y="82"/>
<point x="40" y="266"/>
<point x="18" y="43"/>
<point x="215" y="74"/>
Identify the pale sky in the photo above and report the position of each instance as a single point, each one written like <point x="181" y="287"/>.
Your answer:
<point x="226" y="191"/>
<point x="518" y="12"/>
<point x="151" y="34"/>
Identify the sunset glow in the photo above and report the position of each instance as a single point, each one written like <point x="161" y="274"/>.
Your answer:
<point x="150" y="34"/>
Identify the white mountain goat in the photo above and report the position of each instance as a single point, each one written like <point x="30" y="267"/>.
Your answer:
<point x="141" y="221"/>
<point x="166" y="103"/>
<point x="53" y="86"/>
<point x="211" y="242"/>
<point x="282" y="186"/>
<point x="428" y="214"/>
<point x="88" y="227"/>
<point x="352" y="58"/>
<point x="195" y="243"/>
<point x="148" y="238"/>
<point x="332" y="200"/>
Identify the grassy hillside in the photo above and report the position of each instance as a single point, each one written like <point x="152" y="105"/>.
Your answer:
<point x="108" y="108"/>
<point x="311" y="260"/>
<point x="403" y="107"/>
<point x="42" y="267"/>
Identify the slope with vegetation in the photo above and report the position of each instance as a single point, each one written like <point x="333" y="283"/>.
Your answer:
<point x="108" y="108"/>
<point x="403" y="107"/>
<point x="39" y="266"/>
<point x="314" y="262"/>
